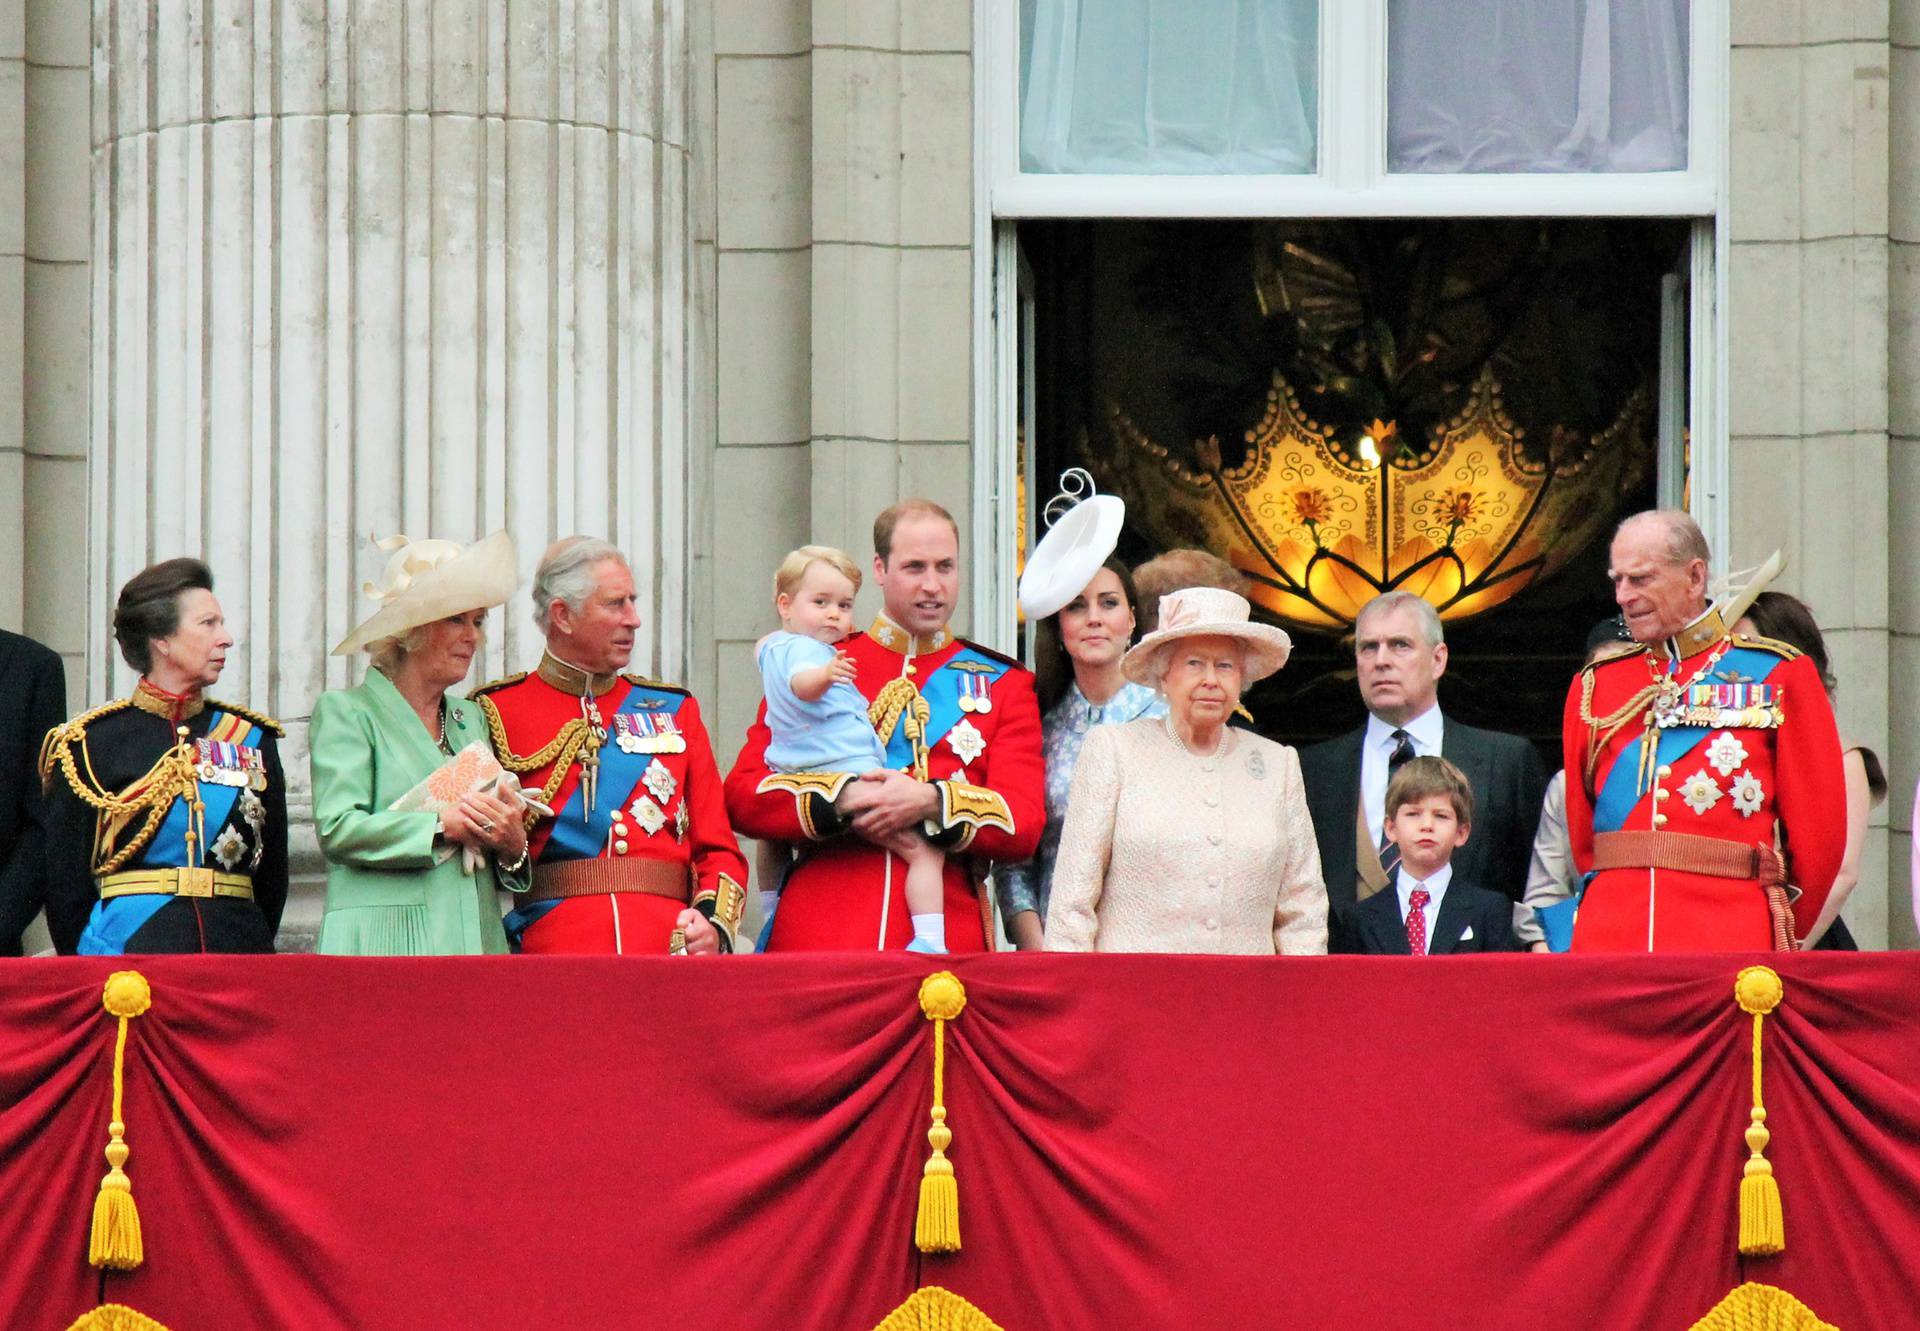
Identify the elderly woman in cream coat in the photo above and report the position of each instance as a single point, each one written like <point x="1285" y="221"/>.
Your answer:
<point x="1184" y="834"/>
<point x="399" y="883"/>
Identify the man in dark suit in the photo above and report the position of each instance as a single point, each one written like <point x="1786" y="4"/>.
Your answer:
<point x="1428" y="910"/>
<point x="1401" y="653"/>
<point x="33" y="700"/>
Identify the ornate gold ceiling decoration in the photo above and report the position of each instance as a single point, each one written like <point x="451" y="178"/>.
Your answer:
<point x="1467" y="517"/>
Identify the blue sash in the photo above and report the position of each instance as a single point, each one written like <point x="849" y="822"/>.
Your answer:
<point x="580" y="833"/>
<point x="1619" y="790"/>
<point x="942" y="691"/>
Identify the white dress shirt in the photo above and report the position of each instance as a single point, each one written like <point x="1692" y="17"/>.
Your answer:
<point x="1377" y="747"/>
<point x="1436" y="886"/>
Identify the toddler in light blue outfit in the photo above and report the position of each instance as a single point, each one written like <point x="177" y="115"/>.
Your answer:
<point x="819" y="720"/>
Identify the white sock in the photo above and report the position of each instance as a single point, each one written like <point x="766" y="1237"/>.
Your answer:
<point x="931" y="928"/>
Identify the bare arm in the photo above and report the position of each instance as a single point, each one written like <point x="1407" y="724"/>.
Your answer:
<point x="811" y="684"/>
<point x="1859" y="808"/>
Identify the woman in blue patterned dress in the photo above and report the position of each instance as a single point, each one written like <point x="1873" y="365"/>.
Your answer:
<point x="1077" y="653"/>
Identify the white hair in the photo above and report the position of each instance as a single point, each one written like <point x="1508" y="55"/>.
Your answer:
<point x="1156" y="666"/>
<point x="566" y="574"/>
<point x="1423" y="612"/>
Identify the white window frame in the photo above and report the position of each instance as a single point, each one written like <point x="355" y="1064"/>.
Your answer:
<point x="1352" y="181"/>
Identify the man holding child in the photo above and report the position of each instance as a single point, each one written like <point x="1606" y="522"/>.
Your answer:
<point x="959" y="730"/>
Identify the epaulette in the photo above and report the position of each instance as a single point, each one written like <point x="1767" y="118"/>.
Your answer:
<point x="492" y="686"/>
<point x="1013" y="661"/>
<point x="69" y="731"/>
<point x="1638" y="650"/>
<point x="1784" y="650"/>
<point x="260" y="719"/>
<point x="641" y="681"/>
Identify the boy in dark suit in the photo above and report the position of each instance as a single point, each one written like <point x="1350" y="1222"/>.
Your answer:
<point x="1426" y="911"/>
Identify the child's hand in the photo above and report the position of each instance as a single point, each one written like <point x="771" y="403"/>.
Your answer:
<point x="842" y="669"/>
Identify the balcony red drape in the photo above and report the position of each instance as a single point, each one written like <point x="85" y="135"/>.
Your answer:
<point x="1151" y="1142"/>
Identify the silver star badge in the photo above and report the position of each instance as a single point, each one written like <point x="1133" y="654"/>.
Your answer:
<point x="228" y="848"/>
<point x="660" y="781"/>
<point x="967" y="743"/>
<point x="648" y="814"/>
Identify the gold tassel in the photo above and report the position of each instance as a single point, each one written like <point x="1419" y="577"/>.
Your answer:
<point x="116" y="1241"/>
<point x="1763" y="1226"/>
<point x="937" y="1226"/>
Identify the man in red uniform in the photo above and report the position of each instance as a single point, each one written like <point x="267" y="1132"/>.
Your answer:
<point x="961" y="730"/>
<point x="1703" y="770"/>
<point x="638" y="856"/>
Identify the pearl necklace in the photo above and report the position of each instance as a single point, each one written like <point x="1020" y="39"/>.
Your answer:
<point x="1219" y="747"/>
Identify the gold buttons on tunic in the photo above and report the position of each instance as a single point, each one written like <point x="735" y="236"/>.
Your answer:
<point x="620" y="847"/>
<point x="1659" y="820"/>
<point x="1664" y="771"/>
<point x="1662" y="794"/>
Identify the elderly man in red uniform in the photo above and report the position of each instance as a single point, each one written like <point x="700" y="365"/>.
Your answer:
<point x="961" y="731"/>
<point x="637" y="856"/>
<point x="1703" y="771"/>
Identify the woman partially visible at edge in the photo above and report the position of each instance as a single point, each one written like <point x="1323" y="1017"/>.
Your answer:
<point x="1788" y="619"/>
<point x="397" y="884"/>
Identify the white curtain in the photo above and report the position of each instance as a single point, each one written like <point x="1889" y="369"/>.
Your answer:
<point x="1537" y="85"/>
<point x="1174" y="87"/>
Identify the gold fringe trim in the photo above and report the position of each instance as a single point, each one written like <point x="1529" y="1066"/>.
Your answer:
<point x="115" y="1317"/>
<point x="1763" y="1229"/>
<point x="115" y="1241"/>
<point x="1757" y="1307"/>
<point x="936" y="1227"/>
<point x="936" y="1309"/>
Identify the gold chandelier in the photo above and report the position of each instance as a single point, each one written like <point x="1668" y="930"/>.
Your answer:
<point x="1466" y="518"/>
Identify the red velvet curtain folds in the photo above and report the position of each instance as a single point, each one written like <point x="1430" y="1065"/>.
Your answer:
<point x="1141" y="1142"/>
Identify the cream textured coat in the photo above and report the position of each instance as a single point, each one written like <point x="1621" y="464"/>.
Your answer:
<point x="1164" y="851"/>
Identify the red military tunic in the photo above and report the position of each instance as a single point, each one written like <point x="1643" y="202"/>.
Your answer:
<point x="980" y="745"/>
<point x="640" y="828"/>
<point x="1730" y="743"/>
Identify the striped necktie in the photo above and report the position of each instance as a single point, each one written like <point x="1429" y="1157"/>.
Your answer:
<point x="1401" y="756"/>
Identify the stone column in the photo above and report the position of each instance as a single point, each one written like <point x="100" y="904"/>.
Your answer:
<point x="376" y="266"/>
<point x="844" y="284"/>
<point x="1808" y="349"/>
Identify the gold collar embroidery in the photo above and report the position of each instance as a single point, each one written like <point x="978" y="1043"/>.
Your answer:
<point x="896" y="639"/>
<point x="572" y="679"/>
<point x="175" y="708"/>
<point x="1697" y="636"/>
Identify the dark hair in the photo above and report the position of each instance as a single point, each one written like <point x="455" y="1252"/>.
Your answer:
<point x="1430" y="775"/>
<point x="1787" y="619"/>
<point x="1052" y="667"/>
<point x="149" y="606"/>
<point x="891" y="515"/>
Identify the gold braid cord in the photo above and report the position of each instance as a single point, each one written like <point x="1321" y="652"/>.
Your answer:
<point x="1602" y="729"/>
<point x="171" y="777"/>
<point x="1757" y="1307"/>
<point x="562" y="751"/>
<point x="900" y="703"/>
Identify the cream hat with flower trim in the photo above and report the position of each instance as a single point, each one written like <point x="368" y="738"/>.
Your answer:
<point x="428" y="580"/>
<point x="1206" y="612"/>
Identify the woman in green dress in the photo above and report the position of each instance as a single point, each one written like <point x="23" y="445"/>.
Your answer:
<point x="398" y="882"/>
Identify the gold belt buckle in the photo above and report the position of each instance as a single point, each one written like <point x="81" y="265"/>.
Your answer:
<point x="195" y="883"/>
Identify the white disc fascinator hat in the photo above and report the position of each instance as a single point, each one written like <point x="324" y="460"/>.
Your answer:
<point x="1082" y="530"/>
<point x="428" y="580"/>
<point x="1206" y="612"/>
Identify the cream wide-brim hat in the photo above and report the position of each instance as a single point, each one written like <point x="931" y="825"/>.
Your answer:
<point x="1071" y="552"/>
<point x="428" y="580"/>
<point x="1206" y="612"/>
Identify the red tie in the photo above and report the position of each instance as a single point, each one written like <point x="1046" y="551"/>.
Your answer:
<point x="1417" y="921"/>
